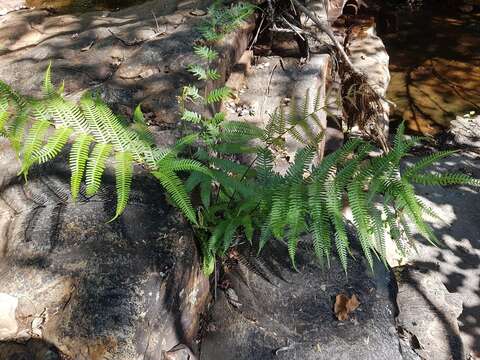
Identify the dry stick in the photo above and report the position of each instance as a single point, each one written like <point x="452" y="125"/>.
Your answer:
<point x="323" y="26"/>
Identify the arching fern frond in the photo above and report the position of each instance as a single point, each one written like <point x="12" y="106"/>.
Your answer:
<point x="123" y="178"/>
<point x="175" y="188"/>
<point x="218" y="95"/>
<point x="78" y="160"/>
<point x="96" y="166"/>
<point x="205" y="52"/>
<point x="54" y="145"/>
<point x="33" y="144"/>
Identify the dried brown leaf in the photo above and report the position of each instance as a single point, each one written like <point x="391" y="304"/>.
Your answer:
<point x="345" y="305"/>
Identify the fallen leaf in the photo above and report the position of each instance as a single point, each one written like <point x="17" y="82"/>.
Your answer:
<point x="345" y="305"/>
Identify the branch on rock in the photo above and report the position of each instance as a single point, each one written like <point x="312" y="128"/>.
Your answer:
<point x="366" y="107"/>
<point x="323" y="26"/>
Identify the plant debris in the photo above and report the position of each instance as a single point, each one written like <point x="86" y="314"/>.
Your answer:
<point x="345" y="306"/>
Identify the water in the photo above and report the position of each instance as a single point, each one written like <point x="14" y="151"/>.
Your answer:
<point x="435" y="68"/>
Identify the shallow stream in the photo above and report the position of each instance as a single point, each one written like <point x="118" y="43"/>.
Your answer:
<point x="435" y="68"/>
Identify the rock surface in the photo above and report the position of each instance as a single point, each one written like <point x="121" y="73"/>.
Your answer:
<point x="96" y="290"/>
<point x="268" y="311"/>
<point x="466" y="131"/>
<point x="129" y="56"/>
<point x="8" y="322"/>
<point x="457" y="262"/>
<point x="428" y="315"/>
<point x="273" y="83"/>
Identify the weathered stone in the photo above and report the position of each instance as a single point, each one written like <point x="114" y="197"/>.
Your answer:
<point x="126" y="289"/>
<point x="457" y="261"/>
<point x="7" y="6"/>
<point x="8" y="322"/>
<point x="275" y="82"/>
<point x="466" y="130"/>
<point x="428" y="315"/>
<point x="369" y="57"/>
<point x="268" y="311"/>
<point x="129" y="56"/>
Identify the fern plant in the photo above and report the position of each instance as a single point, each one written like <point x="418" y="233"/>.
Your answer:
<point x="255" y="203"/>
<point x="39" y="129"/>
<point x="222" y="20"/>
<point x="237" y="193"/>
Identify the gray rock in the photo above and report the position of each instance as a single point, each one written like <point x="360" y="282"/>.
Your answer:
<point x="278" y="313"/>
<point x="428" y="315"/>
<point x="456" y="262"/>
<point x="466" y="130"/>
<point x="96" y="290"/>
<point x="8" y="322"/>
<point x="124" y="55"/>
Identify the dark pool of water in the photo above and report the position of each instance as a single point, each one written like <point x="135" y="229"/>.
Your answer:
<point x="435" y="68"/>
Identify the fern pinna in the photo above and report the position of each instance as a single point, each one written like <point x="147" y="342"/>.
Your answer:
<point x="39" y="129"/>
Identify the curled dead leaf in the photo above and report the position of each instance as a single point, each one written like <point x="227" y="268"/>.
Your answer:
<point x="345" y="305"/>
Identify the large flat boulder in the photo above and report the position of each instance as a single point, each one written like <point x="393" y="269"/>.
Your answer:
<point x="268" y="311"/>
<point x="138" y="54"/>
<point x="128" y="289"/>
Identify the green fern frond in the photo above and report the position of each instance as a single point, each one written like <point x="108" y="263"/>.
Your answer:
<point x="334" y="208"/>
<point x="303" y="159"/>
<point x="218" y="95"/>
<point x="361" y="217"/>
<point x="265" y="235"/>
<point x="264" y="165"/>
<point x="198" y="71"/>
<point x="4" y="114"/>
<point x="96" y="166"/>
<point x="444" y="179"/>
<point x="229" y="234"/>
<point x="191" y="93"/>
<point x="233" y="131"/>
<point x="395" y="233"/>
<point x="77" y="161"/>
<point x="426" y="161"/>
<point x="138" y="116"/>
<point x="123" y="178"/>
<point x="320" y="222"/>
<point x="48" y="88"/>
<point x="248" y="228"/>
<point x="279" y="208"/>
<point x="143" y="133"/>
<point x="206" y="53"/>
<point x="187" y="165"/>
<point x="213" y="74"/>
<point x="175" y="188"/>
<point x="295" y="218"/>
<point x="66" y="113"/>
<point x="221" y="20"/>
<point x="192" y="116"/>
<point x="54" y="145"/>
<point x="33" y="144"/>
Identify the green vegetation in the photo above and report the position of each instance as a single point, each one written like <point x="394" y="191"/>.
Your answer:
<point x="236" y="200"/>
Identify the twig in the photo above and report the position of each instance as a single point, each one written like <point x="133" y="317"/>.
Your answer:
<point x="136" y="41"/>
<point x="156" y="23"/>
<point x="323" y="26"/>
<point x="254" y="41"/>
<point x="126" y="42"/>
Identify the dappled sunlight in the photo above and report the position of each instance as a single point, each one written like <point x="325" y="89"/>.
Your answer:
<point x="435" y="73"/>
